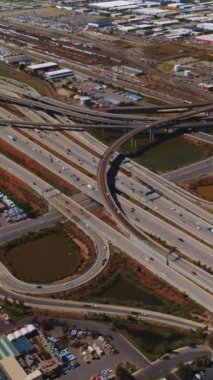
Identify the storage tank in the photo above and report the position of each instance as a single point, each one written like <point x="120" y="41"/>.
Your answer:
<point x="187" y="73"/>
<point x="85" y="101"/>
<point x="177" y="67"/>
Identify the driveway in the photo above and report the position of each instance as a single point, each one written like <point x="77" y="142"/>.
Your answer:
<point x="166" y="366"/>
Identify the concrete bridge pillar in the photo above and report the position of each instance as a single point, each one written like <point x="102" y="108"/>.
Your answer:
<point x="151" y="134"/>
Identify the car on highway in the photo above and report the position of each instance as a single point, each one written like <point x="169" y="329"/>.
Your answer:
<point x="104" y="261"/>
<point x="135" y="313"/>
<point x="39" y="286"/>
<point x="96" y="306"/>
<point x="194" y="273"/>
<point x="180" y="239"/>
<point x="166" y="356"/>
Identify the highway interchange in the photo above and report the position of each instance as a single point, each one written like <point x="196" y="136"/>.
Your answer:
<point x="185" y="225"/>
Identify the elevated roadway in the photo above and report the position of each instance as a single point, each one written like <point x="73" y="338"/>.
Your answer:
<point x="165" y="108"/>
<point x="188" y="172"/>
<point x="76" y="112"/>
<point x="81" y="127"/>
<point x="102" y="178"/>
<point x="136" y="249"/>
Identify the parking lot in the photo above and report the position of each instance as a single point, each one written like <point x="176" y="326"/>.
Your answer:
<point x="121" y="352"/>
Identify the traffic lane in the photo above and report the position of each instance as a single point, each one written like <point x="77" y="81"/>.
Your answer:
<point x="66" y="149"/>
<point x="190" y="291"/>
<point x="92" y="169"/>
<point x="58" y="167"/>
<point x="169" y="210"/>
<point x="190" y="171"/>
<point x="138" y="250"/>
<point x="163" y="365"/>
<point x="161" y="206"/>
<point x="203" y="137"/>
<point x="13" y="283"/>
<point x="56" y="164"/>
<point x="170" y="234"/>
<point x="74" y="306"/>
<point x="33" y="180"/>
<point x="173" y="192"/>
<point x="19" y="229"/>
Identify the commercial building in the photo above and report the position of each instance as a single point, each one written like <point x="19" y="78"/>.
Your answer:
<point x="7" y="348"/>
<point x="206" y="38"/>
<point x="42" y="67"/>
<point x="58" y="74"/>
<point x="99" y="24"/>
<point x="18" y="59"/>
<point x="10" y="369"/>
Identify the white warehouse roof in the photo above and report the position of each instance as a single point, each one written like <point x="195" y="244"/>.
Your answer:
<point x="113" y="4"/>
<point x="17" y="334"/>
<point x="205" y="25"/>
<point x="42" y="65"/>
<point x="24" y="331"/>
<point x="58" y="72"/>
<point x="10" y="337"/>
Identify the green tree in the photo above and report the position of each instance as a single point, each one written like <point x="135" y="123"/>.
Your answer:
<point x="210" y="339"/>
<point x="122" y="373"/>
<point x="185" y="372"/>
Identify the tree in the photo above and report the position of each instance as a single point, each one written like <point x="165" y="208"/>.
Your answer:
<point x="210" y="339"/>
<point x="185" y="372"/>
<point x="123" y="374"/>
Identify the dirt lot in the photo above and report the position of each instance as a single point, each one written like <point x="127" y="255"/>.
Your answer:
<point x="200" y="186"/>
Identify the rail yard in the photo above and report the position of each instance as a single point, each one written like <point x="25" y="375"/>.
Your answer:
<point x="74" y="77"/>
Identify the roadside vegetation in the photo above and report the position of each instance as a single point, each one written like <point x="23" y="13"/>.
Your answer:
<point x="202" y="186"/>
<point x="188" y="371"/>
<point x="14" y="309"/>
<point x="125" y="282"/>
<point x="153" y="340"/>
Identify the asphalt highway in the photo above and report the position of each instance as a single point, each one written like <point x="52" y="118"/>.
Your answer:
<point x="41" y="152"/>
<point x="198" y="169"/>
<point x="152" y="252"/>
<point x="15" y="231"/>
<point x="137" y="250"/>
<point x="205" y="137"/>
<point x="86" y="307"/>
<point x="72" y="151"/>
<point x="192" y="248"/>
